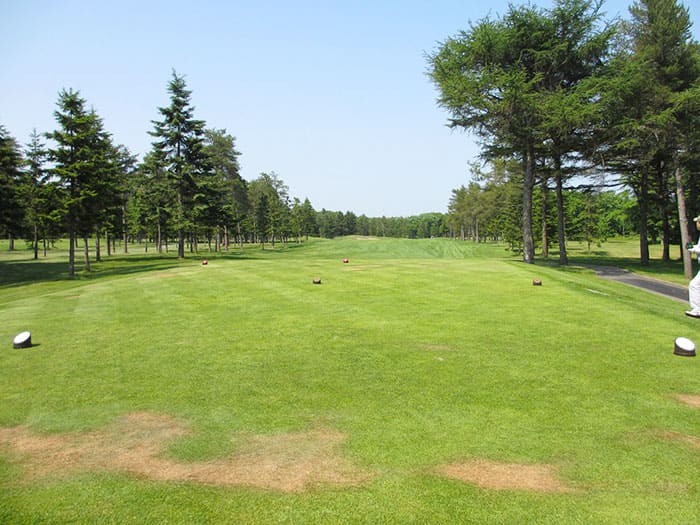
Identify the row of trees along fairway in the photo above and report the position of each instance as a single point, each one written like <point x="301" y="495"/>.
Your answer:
<point x="491" y="208"/>
<point x="569" y="96"/>
<point x="188" y="187"/>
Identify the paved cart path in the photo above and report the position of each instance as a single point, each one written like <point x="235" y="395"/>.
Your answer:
<point x="670" y="290"/>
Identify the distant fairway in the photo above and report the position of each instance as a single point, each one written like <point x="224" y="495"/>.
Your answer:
<point x="422" y="382"/>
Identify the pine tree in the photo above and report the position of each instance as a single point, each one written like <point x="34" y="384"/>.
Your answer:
<point x="179" y="151"/>
<point x="651" y="101"/>
<point x="513" y="81"/>
<point x="83" y="166"/>
<point x="39" y="193"/>
<point x="125" y="164"/>
<point x="226" y="206"/>
<point x="11" y="206"/>
<point x="577" y="57"/>
<point x="490" y="80"/>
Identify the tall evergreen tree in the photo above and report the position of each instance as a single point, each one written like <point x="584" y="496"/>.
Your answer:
<point x="39" y="193"/>
<point x="488" y="79"/>
<point x="151" y="207"/>
<point x="269" y="198"/>
<point x="230" y="191"/>
<point x="660" y="31"/>
<point x="307" y="218"/>
<point x="125" y="163"/>
<point x="83" y="167"/>
<point x="11" y="208"/>
<point x="513" y="81"/>
<point x="651" y="100"/>
<point x="179" y="151"/>
<point x="577" y="56"/>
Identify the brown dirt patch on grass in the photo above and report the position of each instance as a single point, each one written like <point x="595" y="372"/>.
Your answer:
<point x="506" y="476"/>
<point x="679" y="437"/>
<point x="688" y="399"/>
<point x="135" y="443"/>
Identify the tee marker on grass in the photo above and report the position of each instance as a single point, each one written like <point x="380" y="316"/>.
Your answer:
<point x="684" y="346"/>
<point x="22" y="340"/>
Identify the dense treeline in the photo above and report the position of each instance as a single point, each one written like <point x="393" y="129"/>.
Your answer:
<point x="491" y="209"/>
<point x="186" y="190"/>
<point x="562" y="98"/>
<point x="589" y="128"/>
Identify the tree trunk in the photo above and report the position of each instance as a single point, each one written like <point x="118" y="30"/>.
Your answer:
<point x="666" y="235"/>
<point x="561" y="226"/>
<point x="643" y="218"/>
<point x="98" y="245"/>
<point x="159" y="240"/>
<point x="545" y="237"/>
<point x="87" y="253"/>
<point x="36" y="242"/>
<point x="12" y="241"/>
<point x="528" y="185"/>
<point x="124" y="230"/>
<point x="662" y="193"/>
<point x="71" y="252"/>
<point x="180" y="243"/>
<point x="98" y="251"/>
<point x="682" y="218"/>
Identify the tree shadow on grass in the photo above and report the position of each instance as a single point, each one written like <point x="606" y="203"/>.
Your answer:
<point x="13" y="273"/>
<point x="655" y="266"/>
<point x="19" y="272"/>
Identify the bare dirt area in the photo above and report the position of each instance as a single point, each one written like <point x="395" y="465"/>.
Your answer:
<point x="678" y="437"/>
<point x="691" y="400"/>
<point x="506" y="476"/>
<point x="134" y="445"/>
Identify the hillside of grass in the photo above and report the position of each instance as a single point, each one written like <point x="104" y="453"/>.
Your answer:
<point x="163" y="390"/>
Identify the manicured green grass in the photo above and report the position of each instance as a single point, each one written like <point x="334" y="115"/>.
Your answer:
<point x="421" y="353"/>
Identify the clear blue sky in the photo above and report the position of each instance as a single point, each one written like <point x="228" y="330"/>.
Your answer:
<point x="332" y="96"/>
